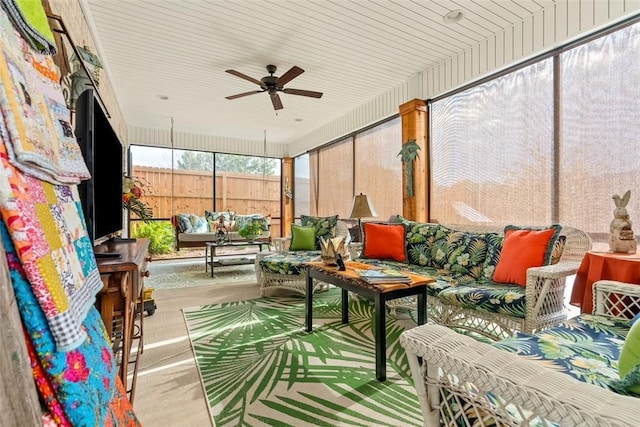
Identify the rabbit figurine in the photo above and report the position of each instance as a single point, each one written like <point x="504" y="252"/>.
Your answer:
<point x="622" y="238"/>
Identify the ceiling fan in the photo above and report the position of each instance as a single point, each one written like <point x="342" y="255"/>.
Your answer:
<point x="273" y="85"/>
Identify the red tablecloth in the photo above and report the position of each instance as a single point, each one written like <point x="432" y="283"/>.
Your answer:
<point x="602" y="266"/>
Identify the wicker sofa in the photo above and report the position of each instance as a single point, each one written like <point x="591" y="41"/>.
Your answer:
<point x="193" y="231"/>
<point x="558" y="377"/>
<point x="463" y="259"/>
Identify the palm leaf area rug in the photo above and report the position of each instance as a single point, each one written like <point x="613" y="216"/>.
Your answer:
<point x="260" y="368"/>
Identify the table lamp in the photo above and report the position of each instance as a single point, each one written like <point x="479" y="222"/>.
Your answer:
<point x="361" y="208"/>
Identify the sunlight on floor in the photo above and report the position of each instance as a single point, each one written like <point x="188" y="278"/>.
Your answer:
<point x="144" y="372"/>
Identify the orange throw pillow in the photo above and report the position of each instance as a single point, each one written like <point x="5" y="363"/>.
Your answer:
<point x="384" y="241"/>
<point x="521" y="250"/>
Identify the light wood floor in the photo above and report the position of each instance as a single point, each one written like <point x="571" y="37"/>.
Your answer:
<point x="168" y="392"/>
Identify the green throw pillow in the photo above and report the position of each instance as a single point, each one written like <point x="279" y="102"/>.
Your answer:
<point x="303" y="238"/>
<point x="630" y="360"/>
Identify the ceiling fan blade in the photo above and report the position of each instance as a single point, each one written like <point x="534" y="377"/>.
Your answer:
<point x="275" y="100"/>
<point x="240" y="95"/>
<point x="244" y="76"/>
<point x="300" y="92"/>
<point x="289" y="75"/>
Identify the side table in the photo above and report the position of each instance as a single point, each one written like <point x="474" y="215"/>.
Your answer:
<point x="602" y="266"/>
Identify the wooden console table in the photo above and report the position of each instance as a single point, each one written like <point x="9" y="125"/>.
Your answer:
<point x="123" y="282"/>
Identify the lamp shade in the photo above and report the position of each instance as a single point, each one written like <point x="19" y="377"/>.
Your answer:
<point x="362" y="207"/>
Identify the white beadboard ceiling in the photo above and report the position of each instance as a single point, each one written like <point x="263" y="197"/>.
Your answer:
<point x="351" y="50"/>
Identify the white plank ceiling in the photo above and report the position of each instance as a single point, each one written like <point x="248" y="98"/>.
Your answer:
<point x="351" y="50"/>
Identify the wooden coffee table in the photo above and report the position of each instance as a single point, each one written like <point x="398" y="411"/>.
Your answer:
<point x="380" y="293"/>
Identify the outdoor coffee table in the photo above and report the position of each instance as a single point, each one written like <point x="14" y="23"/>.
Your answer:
<point x="380" y="293"/>
<point x="231" y="258"/>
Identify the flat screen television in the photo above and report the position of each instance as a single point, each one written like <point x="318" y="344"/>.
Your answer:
<point x="101" y="196"/>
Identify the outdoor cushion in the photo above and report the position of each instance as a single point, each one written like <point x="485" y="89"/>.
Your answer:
<point x="242" y="221"/>
<point x="183" y="224"/>
<point x="325" y="226"/>
<point x="213" y="216"/>
<point x="190" y="223"/>
<point x="302" y="238"/>
<point x="523" y="249"/>
<point x="384" y="241"/>
<point x="585" y="347"/>
<point x="419" y="238"/>
<point x="630" y="359"/>
<point x="291" y="263"/>
<point x="491" y="298"/>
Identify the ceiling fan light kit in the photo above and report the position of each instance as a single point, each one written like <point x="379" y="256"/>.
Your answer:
<point x="273" y="84"/>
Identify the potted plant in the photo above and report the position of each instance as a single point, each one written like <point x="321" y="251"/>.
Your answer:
<point x="251" y="230"/>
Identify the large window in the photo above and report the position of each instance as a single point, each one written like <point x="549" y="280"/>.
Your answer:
<point x="378" y="169"/>
<point x="334" y="182"/>
<point x="182" y="181"/>
<point x="492" y="151"/>
<point x="302" y="186"/>
<point x="246" y="184"/>
<point x="496" y="158"/>
<point x="367" y="163"/>
<point x="600" y="139"/>
<point x="192" y="182"/>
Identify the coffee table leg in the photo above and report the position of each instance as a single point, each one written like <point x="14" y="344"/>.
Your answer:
<point x="345" y="306"/>
<point x="206" y="256"/>
<point x="422" y="307"/>
<point x="380" y="337"/>
<point x="213" y="251"/>
<point x="308" y="301"/>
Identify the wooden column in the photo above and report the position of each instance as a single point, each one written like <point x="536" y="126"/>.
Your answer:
<point x="286" y="202"/>
<point x="414" y="127"/>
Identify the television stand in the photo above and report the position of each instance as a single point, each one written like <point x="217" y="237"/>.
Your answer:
<point x="100" y="255"/>
<point x="122" y="240"/>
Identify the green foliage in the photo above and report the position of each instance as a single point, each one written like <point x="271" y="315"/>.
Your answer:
<point x="194" y="160"/>
<point x="160" y="234"/>
<point x="252" y="228"/>
<point x="245" y="164"/>
<point x="202" y="161"/>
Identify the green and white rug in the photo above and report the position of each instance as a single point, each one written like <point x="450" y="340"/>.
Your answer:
<point x="184" y="273"/>
<point x="259" y="367"/>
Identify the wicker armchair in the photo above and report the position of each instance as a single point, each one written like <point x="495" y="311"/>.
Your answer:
<point x="463" y="382"/>
<point x="292" y="282"/>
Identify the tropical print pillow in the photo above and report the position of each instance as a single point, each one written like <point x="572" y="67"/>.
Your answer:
<point x="183" y="223"/>
<point x="214" y="216"/>
<point x="494" y="247"/>
<point x="420" y="238"/>
<point x="325" y="226"/>
<point x="198" y="224"/>
<point x="243" y="221"/>
<point x="191" y="223"/>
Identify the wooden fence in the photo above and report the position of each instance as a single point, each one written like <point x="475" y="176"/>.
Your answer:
<point x="172" y="191"/>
